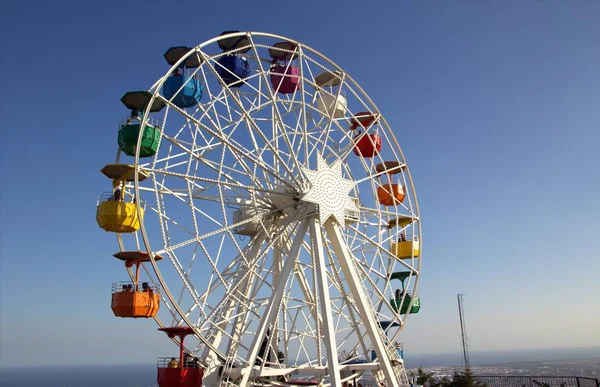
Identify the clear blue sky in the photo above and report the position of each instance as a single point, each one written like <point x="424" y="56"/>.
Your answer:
<point x="496" y="105"/>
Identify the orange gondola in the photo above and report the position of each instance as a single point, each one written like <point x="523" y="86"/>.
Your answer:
<point x="390" y="194"/>
<point x="130" y="299"/>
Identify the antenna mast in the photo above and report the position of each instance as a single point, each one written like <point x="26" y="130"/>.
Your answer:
<point x="463" y="330"/>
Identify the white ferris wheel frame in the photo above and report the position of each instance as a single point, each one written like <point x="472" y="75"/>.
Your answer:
<point x="309" y="225"/>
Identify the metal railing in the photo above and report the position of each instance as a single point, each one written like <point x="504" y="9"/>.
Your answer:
<point x="137" y="120"/>
<point x="129" y="286"/>
<point x="412" y="238"/>
<point x="163" y="362"/>
<point x="537" y="381"/>
<point x="110" y="196"/>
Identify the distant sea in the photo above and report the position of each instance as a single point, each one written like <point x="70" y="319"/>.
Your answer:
<point x="80" y="376"/>
<point x="500" y="357"/>
<point x="145" y="375"/>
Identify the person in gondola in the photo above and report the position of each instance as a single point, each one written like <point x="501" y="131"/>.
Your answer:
<point x="398" y="294"/>
<point x="146" y="288"/>
<point x="130" y="288"/>
<point x="173" y="363"/>
<point x="402" y="237"/>
<point x="117" y="195"/>
<point x="188" y="361"/>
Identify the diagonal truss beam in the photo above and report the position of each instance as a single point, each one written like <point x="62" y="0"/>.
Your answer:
<point x="346" y="261"/>
<point x="323" y="289"/>
<point x="273" y="306"/>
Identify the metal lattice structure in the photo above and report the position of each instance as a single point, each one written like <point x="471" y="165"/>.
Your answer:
<point x="537" y="381"/>
<point x="277" y="248"/>
<point x="463" y="331"/>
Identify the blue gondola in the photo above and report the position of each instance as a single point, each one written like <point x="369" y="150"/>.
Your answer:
<point x="232" y="69"/>
<point x="189" y="96"/>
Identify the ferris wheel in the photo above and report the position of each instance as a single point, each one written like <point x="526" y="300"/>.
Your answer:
<point x="268" y="209"/>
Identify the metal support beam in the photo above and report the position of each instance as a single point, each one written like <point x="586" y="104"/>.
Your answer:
<point x="229" y="308"/>
<point x="272" y="308"/>
<point x="346" y="261"/>
<point x="323" y="289"/>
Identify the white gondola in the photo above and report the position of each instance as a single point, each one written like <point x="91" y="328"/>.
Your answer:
<point x="329" y="101"/>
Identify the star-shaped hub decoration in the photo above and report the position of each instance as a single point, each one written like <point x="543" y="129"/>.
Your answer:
<point x="329" y="190"/>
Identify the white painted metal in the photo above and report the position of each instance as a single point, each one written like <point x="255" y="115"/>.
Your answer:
<point x="273" y="306"/>
<point x="209" y="356"/>
<point x="328" y="326"/>
<point x="329" y="190"/>
<point x="234" y="277"/>
<point x="346" y="261"/>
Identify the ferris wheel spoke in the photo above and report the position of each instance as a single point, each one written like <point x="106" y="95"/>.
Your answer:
<point x="250" y="283"/>
<point x="283" y="134"/>
<point x="228" y="228"/>
<point x="247" y="171"/>
<point x="327" y="150"/>
<point x="308" y="336"/>
<point x="300" y="131"/>
<point x="323" y="138"/>
<point x="173" y="160"/>
<point x="257" y="162"/>
<point x="309" y="298"/>
<point x="253" y="100"/>
<point x="163" y="188"/>
<point x="233" y="294"/>
<point x="247" y="115"/>
<point x="213" y="262"/>
<point x="166" y="218"/>
<point x="379" y="213"/>
<point x="411" y="205"/>
<point x="246" y="315"/>
<point x="196" y="194"/>
<point x="303" y="114"/>
<point x="252" y="127"/>
<point x="277" y="119"/>
<point x="275" y="301"/>
<point x="364" y="246"/>
<point x="184" y="278"/>
<point x="187" y="274"/>
<point x="252" y="246"/>
<point x="216" y="100"/>
<point x="217" y="167"/>
<point x="299" y="275"/>
<point x="236" y="148"/>
<point x="323" y="133"/>
<point x="229" y="306"/>
<point x="342" y="152"/>
<point x="258" y="154"/>
<point x="211" y="181"/>
<point x="206" y="161"/>
<point x="189" y="187"/>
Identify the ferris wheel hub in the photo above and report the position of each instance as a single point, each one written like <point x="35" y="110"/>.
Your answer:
<point x="329" y="190"/>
